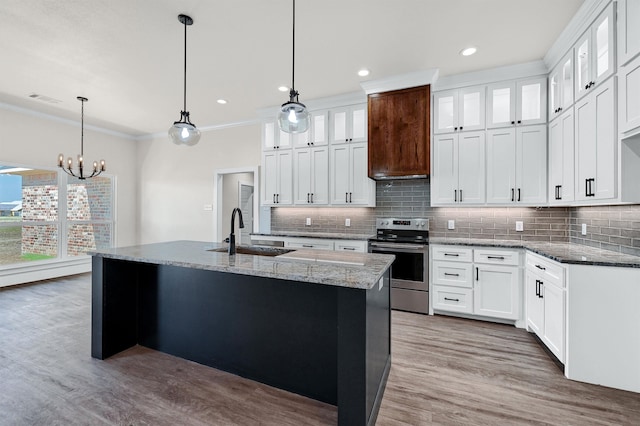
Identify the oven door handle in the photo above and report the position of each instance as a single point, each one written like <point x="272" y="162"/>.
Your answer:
<point x="399" y="246"/>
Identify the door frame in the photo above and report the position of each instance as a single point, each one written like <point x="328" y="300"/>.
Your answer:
<point x="217" y="196"/>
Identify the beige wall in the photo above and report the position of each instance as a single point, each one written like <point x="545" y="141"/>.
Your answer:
<point x="177" y="181"/>
<point x="36" y="140"/>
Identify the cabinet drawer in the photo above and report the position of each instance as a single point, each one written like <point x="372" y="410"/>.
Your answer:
<point x="547" y="269"/>
<point x="452" y="299"/>
<point x="309" y="243"/>
<point x="451" y="253"/>
<point x="497" y="257"/>
<point x="455" y="274"/>
<point x="350" y="245"/>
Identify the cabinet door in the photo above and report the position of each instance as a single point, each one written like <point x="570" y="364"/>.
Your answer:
<point x="285" y="177"/>
<point x="269" y="177"/>
<point x="628" y="30"/>
<point x="531" y="106"/>
<point x="320" y="175"/>
<point x="339" y="125"/>
<point x="629" y="109"/>
<point x="339" y="174"/>
<point x="501" y="100"/>
<point x="358" y="123"/>
<point x="319" y="128"/>
<point x="603" y="42"/>
<point x="535" y="305"/>
<point x="302" y="176"/>
<point x="470" y="169"/>
<point x="566" y="82"/>
<point x="360" y="192"/>
<point x="444" y="176"/>
<point x="471" y="108"/>
<point x="501" y="173"/>
<point x="595" y="139"/>
<point x="583" y="65"/>
<point x="555" y="92"/>
<point x="445" y="113"/>
<point x="349" y="124"/>
<point x="561" y="152"/>
<point x="496" y="291"/>
<point x="553" y="334"/>
<point x="531" y="164"/>
<point x="269" y="135"/>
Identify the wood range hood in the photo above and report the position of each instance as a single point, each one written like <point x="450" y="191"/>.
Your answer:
<point x="399" y="133"/>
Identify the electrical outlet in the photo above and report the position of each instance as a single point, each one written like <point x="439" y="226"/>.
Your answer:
<point x="584" y="229"/>
<point x="308" y="222"/>
<point x="451" y="224"/>
<point x="208" y="207"/>
<point x="519" y="226"/>
<point x="347" y="222"/>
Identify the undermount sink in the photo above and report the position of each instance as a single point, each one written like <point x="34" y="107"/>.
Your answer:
<point x="257" y="251"/>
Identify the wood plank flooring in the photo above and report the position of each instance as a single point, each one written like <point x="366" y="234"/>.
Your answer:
<point x="445" y="371"/>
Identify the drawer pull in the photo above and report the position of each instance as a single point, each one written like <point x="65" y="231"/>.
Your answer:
<point x="451" y="300"/>
<point x="348" y="248"/>
<point x="541" y="267"/>
<point x="496" y="257"/>
<point x="308" y="245"/>
<point x="452" y="254"/>
<point x="451" y="275"/>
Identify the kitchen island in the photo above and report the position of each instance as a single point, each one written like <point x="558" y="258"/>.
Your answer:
<point x="315" y="325"/>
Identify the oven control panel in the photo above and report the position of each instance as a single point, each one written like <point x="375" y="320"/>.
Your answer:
<point x="417" y="224"/>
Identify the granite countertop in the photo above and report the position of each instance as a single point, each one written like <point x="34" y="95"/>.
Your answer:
<point x="560" y="252"/>
<point x="353" y="270"/>
<point x="322" y="235"/>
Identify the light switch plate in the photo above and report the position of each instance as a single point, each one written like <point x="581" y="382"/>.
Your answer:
<point x="519" y="226"/>
<point x="451" y="224"/>
<point x="347" y="222"/>
<point x="584" y="229"/>
<point x="208" y="207"/>
<point x="308" y="222"/>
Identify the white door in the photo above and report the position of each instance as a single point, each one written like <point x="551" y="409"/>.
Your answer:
<point x="553" y="334"/>
<point x="302" y="176"/>
<point x="245" y="196"/>
<point x="359" y="126"/>
<point x="339" y="174"/>
<point x="555" y="92"/>
<point x="471" y="108"/>
<point x="583" y="65"/>
<point x="531" y="105"/>
<point x="444" y="179"/>
<point x="470" y="169"/>
<point x="561" y="152"/>
<point x="445" y="111"/>
<point x="603" y="45"/>
<point x="535" y="305"/>
<point x="320" y="175"/>
<point x="285" y="177"/>
<point x="496" y="291"/>
<point x="501" y="173"/>
<point x="531" y="164"/>
<point x="566" y="81"/>
<point x="360" y="182"/>
<point x="269" y="177"/>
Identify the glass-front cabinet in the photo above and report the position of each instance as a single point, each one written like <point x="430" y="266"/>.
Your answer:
<point x="459" y="110"/>
<point x="561" y="87"/>
<point x="521" y="102"/>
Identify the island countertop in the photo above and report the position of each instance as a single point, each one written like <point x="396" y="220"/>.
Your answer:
<point x="354" y="270"/>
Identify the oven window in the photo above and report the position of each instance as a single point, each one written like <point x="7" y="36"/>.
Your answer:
<point x="407" y="266"/>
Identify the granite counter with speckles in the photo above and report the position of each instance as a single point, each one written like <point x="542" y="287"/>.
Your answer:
<point x="354" y="270"/>
<point x="560" y="252"/>
<point x="321" y="235"/>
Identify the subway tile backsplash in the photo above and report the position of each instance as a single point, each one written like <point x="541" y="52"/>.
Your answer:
<point x="612" y="227"/>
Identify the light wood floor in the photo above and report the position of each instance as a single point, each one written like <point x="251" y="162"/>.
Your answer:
<point x="445" y="371"/>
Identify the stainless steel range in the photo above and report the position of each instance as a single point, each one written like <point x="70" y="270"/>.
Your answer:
<point x="408" y="240"/>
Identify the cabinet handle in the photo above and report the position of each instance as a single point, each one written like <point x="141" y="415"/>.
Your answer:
<point x="541" y="267"/>
<point x="586" y="86"/>
<point x="513" y="122"/>
<point x="518" y="194"/>
<point x="452" y="254"/>
<point x="311" y="143"/>
<point x="589" y="190"/>
<point x="496" y="257"/>
<point x="538" y="288"/>
<point x="307" y="245"/>
<point x="308" y="197"/>
<point x="477" y="274"/>
<point x="312" y="198"/>
<point x="455" y="128"/>
<point x="346" y="197"/>
<point x="558" y="196"/>
<point x="348" y="248"/>
<point x="278" y="198"/>
<point x="460" y="128"/>
<point x="512" y="194"/>
<point x="461" y="195"/>
<point x="559" y="109"/>
<point x="274" y="199"/>
<point x="540" y="295"/>
<point x="455" y="195"/>
<point x="446" y="274"/>
<point x="451" y="300"/>
<point x="519" y="121"/>
<point x="350" y="197"/>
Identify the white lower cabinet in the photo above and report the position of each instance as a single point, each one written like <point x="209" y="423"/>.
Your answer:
<point x="475" y="280"/>
<point x="350" y="245"/>
<point x="546" y="302"/>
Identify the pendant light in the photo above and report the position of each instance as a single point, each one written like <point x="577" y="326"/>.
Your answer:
<point x="184" y="132"/>
<point x="69" y="167"/>
<point x="293" y="116"/>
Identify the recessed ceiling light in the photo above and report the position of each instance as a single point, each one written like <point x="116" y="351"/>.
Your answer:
<point x="363" y="72"/>
<point x="221" y="101"/>
<point x="468" y="51"/>
<point x="283" y="88"/>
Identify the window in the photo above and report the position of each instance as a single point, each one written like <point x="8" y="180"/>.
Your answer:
<point x="36" y="226"/>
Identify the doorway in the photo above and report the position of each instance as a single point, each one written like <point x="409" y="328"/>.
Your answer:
<point x="245" y="202"/>
<point x="236" y="188"/>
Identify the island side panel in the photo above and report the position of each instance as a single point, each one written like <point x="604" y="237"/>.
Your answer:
<point x="114" y="306"/>
<point x="364" y="351"/>
<point x="278" y="332"/>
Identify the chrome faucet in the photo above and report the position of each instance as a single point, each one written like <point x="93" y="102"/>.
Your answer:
<point x="232" y="236"/>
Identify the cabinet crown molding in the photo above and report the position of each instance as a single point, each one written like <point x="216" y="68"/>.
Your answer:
<point x="402" y="81"/>
<point x="329" y="102"/>
<point x="493" y="75"/>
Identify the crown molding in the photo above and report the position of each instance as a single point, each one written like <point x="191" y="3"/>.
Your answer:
<point x="508" y="72"/>
<point x="402" y="81"/>
<point x="329" y="102"/>
<point x="586" y="14"/>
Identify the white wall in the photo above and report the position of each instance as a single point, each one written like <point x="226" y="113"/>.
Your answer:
<point x="36" y="140"/>
<point x="177" y="181"/>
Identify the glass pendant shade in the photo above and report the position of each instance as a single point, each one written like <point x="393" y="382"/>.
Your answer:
<point x="182" y="133"/>
<point x="294" y="117"/>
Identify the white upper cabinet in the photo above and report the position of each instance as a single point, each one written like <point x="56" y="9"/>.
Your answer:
<point x="561" y="87"/>
<point x="349" y="124"/>
<point x="349" y="183"/>
<point x="628" y="30"/>
<point x="318" y="133"/>
<point x="459" y="110"/>
<point x="629" y="95"/>
<point x="274" y="138"/>
<point x="596" y="144"/>
<point x="561" y="158"/>
<point x="277" y="172"/>
<point x="595" y="53"/>
<point x="311" y="175"/>
<point x="519" y="102"/>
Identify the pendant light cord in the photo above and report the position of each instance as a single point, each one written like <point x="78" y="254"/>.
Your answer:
<point x="293" y="62"/>
<point x="82" y="129"/>
<point x="185" y="66"/>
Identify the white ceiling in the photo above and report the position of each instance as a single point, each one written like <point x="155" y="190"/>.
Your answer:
<point x="126" y="56"/>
